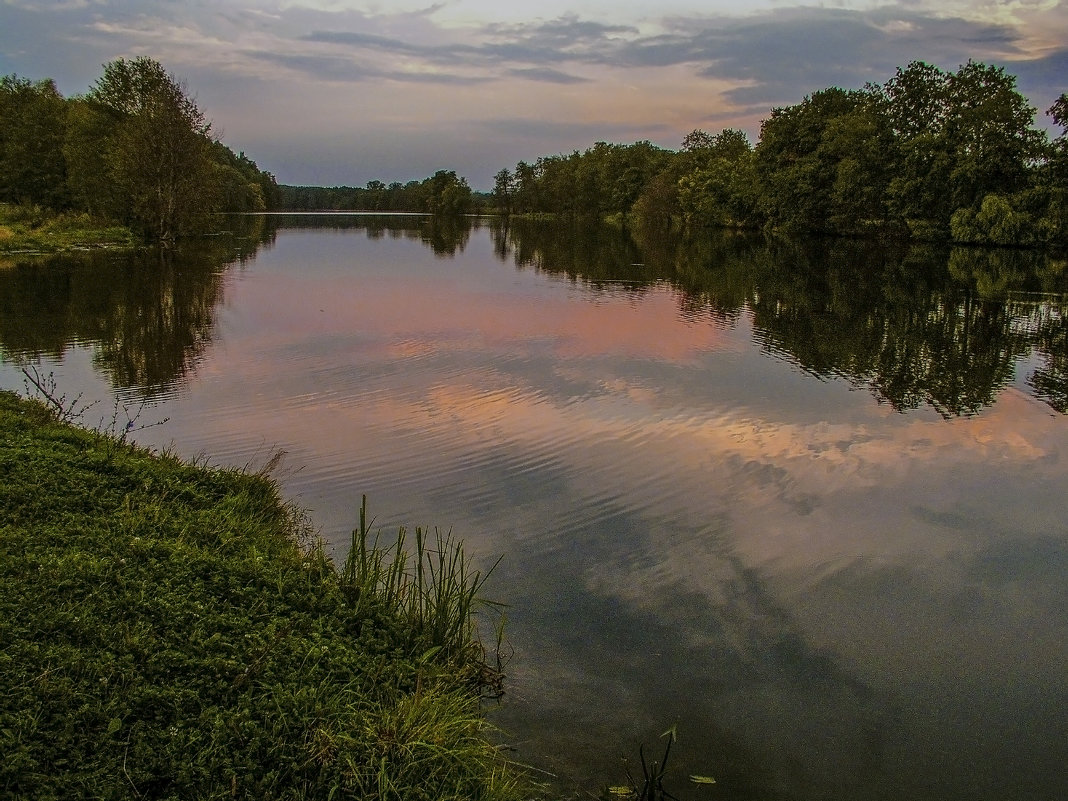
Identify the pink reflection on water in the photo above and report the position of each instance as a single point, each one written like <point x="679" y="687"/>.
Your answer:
<point x="409" y="317"/>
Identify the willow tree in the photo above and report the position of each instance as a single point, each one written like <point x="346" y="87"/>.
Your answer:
<point x="156" y="151"/>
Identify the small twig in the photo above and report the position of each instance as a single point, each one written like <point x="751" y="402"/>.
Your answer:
<point x="127" y="775"/>
<point x="45" y="388"/>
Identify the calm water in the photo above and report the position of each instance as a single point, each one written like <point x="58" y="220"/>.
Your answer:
<point x="807" y="502"/>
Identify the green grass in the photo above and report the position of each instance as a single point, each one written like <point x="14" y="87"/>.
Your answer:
<point x="164" y="636"/>
<point x="35" y="230"/>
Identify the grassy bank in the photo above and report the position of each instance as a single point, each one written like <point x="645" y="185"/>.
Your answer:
<point x="163" y="635"/>
<point x="31" y="229"/>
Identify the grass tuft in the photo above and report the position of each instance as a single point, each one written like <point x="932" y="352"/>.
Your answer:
<point x="432" y="590"/>
<point x="32" y="229"/>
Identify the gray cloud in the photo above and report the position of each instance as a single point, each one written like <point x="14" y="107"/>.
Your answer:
<point x="586" y="132"/>
<point x="567" y="39"/>
<point x="329" y="68"/>
<point x="368" y="40"/>
<point x="780" y="55"/>
<point x="546" y="75"/>
<point x="787" y="54"/>
<point x="564" y="32"/>
<point x="338" y="68"/>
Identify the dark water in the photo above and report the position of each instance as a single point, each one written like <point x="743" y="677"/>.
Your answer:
<point x="804" y="500"/>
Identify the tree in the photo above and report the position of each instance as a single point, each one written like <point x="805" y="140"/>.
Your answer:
<point x="157" y="153"/>
<point x="241" y="186"/>
<point x="503" y="189"/>
<point x="445" y="194"/>
<point x="821" y="164"/>
<point x="376" y="195"/>
<point x="526" y="187"/>
<point x="715" y="187"/>
<point x="32" y="168"/>
<point x="697" y="140"/>
<point x="85" y="150"/>
<point x="958" y="137"/>
<point x="995" y="222"/>
<point x="991" y="131"/>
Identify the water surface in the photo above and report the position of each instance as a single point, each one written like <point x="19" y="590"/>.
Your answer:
<point x="804" y="500"/>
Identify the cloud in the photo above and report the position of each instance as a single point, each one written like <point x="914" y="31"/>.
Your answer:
<point x="778" y="57"/>
<point x="564" y="32"/>
<point x="579" y="131"/>
<point x="774" y="57"/>
<point x="546" y="75"/>
<point x="339" y="68"/>
<point x="368" y="40"/>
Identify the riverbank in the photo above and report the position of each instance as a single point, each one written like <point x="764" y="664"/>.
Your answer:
<point x="31" y="229"/>
<point x="169" y="631"/>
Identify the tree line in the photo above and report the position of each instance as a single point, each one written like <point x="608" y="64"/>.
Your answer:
<point x="929" y="154"/>
<point x="443" y="193"/>
<point x="134" y="149"/>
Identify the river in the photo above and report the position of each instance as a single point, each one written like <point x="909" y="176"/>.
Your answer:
<point x="803" y="501"/>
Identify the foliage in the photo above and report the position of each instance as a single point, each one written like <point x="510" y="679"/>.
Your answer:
<point x="155" y="151"/>
<point x="917" y="156"/>
<point x="32" y="170"/>
<point x="995" y="222"/>
<point x="162" y="635"/>
<point x="604" y="180"/>
<point x="135" y="149"/>
<point x="31" y="228"/>
<point x="821" y="164"/>
<point x="444" y="194"/>
<point x="716" y="185"/>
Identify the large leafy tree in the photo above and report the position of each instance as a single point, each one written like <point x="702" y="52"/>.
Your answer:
<point x="715" y="185"/>
<point x="446" y="194"/>
<point x="991" y="131"/>
<point x="154" y="149"/>
<point x="821" y="165"/>
<point x="957" y="138"/>
<point x="86" y="152"/>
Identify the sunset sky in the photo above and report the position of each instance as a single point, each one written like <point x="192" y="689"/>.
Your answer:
<point x="345" y="91"/>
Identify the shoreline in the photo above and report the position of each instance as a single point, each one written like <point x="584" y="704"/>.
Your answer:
<point x="35" y="231"/>
<point x="174" y="630"/>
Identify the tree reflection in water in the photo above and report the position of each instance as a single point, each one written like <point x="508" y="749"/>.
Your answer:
<point x="917" y="325"/>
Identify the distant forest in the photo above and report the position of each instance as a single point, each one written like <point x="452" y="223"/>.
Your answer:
<point x="929" y="154"/>
<point x="442" y="193"/>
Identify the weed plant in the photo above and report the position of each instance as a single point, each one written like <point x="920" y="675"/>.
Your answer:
<point x="651" y="786"/>
<point x="163" y="636"/>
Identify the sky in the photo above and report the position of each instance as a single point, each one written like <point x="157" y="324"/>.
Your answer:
<point x="341" y="92"/>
